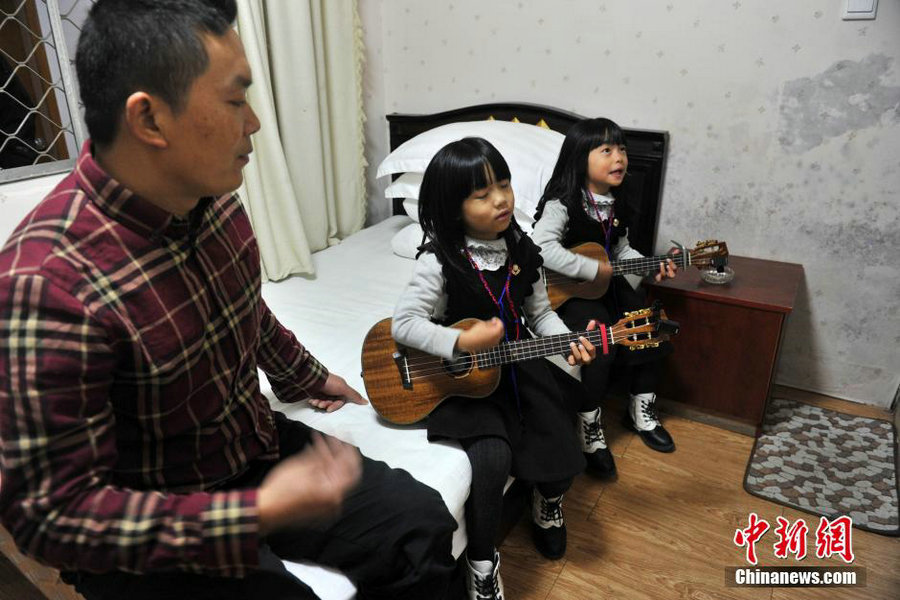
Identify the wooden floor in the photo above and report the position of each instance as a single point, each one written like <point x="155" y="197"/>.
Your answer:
<point x="24" y="579"/>
<point x="664" y="528"/>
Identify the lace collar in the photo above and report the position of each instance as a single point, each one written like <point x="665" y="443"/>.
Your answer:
<point x="489" y="255"/>
<point x="603" y="202"/>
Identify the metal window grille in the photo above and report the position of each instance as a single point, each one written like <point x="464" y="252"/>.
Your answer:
<point x="41" y="125"/>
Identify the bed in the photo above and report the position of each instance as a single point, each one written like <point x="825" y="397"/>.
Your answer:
<point x="358" y="282"/>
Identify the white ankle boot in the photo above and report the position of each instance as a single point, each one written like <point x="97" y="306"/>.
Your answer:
<point x="592" y="436"/>
<point x="642" y="409"/>
<point x="600" y="462"/>
<point x="483" y="581"/>
<point x="645" y="420"/>
<point x="548" y="528"/>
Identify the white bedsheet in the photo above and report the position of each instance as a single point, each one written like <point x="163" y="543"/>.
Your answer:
<point x="356" y="285"/>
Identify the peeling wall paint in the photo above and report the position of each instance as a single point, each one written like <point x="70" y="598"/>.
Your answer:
<point x="848" y="96"/>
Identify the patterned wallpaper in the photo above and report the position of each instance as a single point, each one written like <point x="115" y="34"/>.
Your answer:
<point x="784" y="123"/>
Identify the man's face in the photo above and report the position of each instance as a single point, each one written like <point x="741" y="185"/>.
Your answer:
<point x="209" y="141"/>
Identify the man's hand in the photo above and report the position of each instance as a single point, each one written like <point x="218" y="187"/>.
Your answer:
<point x="585" y="352"/>
<point x="308" y="486"/>
<point x="480" y="336"/>
<point x="335" y="393"/>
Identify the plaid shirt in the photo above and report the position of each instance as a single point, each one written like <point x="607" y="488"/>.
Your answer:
<point x="129" y="393"/>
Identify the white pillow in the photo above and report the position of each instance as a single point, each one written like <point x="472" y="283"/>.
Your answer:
<point x="529" y="150"/>
<point x="411" y="206"/>
<point x="407" y="240"/>
<point x="405" y="186"/>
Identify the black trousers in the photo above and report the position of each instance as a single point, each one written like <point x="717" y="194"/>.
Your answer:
<point x="392" y="539"/>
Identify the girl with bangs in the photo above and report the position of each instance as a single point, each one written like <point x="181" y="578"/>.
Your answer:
<point x="477" y="263"/>
<point x="581" y="204"/>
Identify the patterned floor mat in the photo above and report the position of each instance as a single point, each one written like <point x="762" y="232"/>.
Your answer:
<point x="827" y="463"/>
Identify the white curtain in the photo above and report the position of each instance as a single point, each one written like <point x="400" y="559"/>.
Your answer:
<point x="304" y="188"/>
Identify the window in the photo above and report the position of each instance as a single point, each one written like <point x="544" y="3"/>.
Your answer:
<point x="41" y="128"/>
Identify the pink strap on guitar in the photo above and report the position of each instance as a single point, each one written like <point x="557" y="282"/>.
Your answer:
<point x="605" y="341"/>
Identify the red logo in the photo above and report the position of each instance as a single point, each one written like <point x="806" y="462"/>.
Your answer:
<point x="791" y="538"/>
<point x="831" y="537"/>
<point x="835" y="537"/>
<point x="749" y="536"/>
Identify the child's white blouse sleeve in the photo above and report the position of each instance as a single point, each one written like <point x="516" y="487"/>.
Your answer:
<point x="423" y="299"/>
<point x="548" y="234"/>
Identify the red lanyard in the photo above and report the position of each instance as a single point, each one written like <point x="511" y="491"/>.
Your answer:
<point x="506" y="292"/>
<point x="607" y="226"/>
<point x="499" y="305"/>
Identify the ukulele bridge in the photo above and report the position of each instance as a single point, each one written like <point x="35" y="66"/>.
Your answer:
<point x="403" y="368"/>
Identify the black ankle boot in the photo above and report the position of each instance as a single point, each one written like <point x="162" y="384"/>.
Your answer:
<point x="599" y="459"/>
<point x="643" y="418"/>
<point x="548" y="527"/>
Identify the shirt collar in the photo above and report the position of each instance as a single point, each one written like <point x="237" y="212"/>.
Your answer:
<point x="498" y="244"/>
<point x="487" y="254"/>
<point x="602" y="199"/>
<point x="121" y="204"/>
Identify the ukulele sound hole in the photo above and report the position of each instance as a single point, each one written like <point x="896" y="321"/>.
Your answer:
<point x="459" y="366"/>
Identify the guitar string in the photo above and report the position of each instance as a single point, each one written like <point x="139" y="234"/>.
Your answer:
<point x="541" y="344"/>
<point x="562" y="340"/>
<point x="498" y="356"/>
<point x="468" y="363"/>
<point x="617" y="330"/>
<point x="619" y="267"/>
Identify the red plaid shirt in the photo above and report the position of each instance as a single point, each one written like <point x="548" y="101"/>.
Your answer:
<point x="129" y="393"/>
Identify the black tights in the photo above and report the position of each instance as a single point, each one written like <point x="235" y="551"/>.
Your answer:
<point x="491" y="460"/>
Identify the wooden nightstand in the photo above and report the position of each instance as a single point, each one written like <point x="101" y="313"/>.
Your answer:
<point x="727" y="349"/>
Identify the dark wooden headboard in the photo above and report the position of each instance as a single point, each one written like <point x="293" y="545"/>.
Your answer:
<point x="647" y="150"/>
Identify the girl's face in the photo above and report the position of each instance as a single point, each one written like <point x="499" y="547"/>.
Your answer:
<point x="606" y="167"/>
<point x="487" y="211"/>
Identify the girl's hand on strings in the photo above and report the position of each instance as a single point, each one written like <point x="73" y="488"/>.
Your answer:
<point x="481" y="336"/>
<point x="584" y="352"/>
<point x="669" y="268"/>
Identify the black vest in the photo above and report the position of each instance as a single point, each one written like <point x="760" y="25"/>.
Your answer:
<point x="467" y="298"/>
<point x="581" y="228"/>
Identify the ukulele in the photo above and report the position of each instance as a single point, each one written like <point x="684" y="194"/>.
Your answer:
<point x="404" y="385"/>
<point x="711" y="253"/>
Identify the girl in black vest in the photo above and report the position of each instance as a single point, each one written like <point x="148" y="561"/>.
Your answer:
<point x="477" y="263"/>
<point x="579" y="206"/>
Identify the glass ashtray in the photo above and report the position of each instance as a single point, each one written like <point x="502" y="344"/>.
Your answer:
<point x="717" y="277"/>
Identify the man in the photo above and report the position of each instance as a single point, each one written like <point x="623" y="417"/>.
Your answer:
<point x="138" y="454"/>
